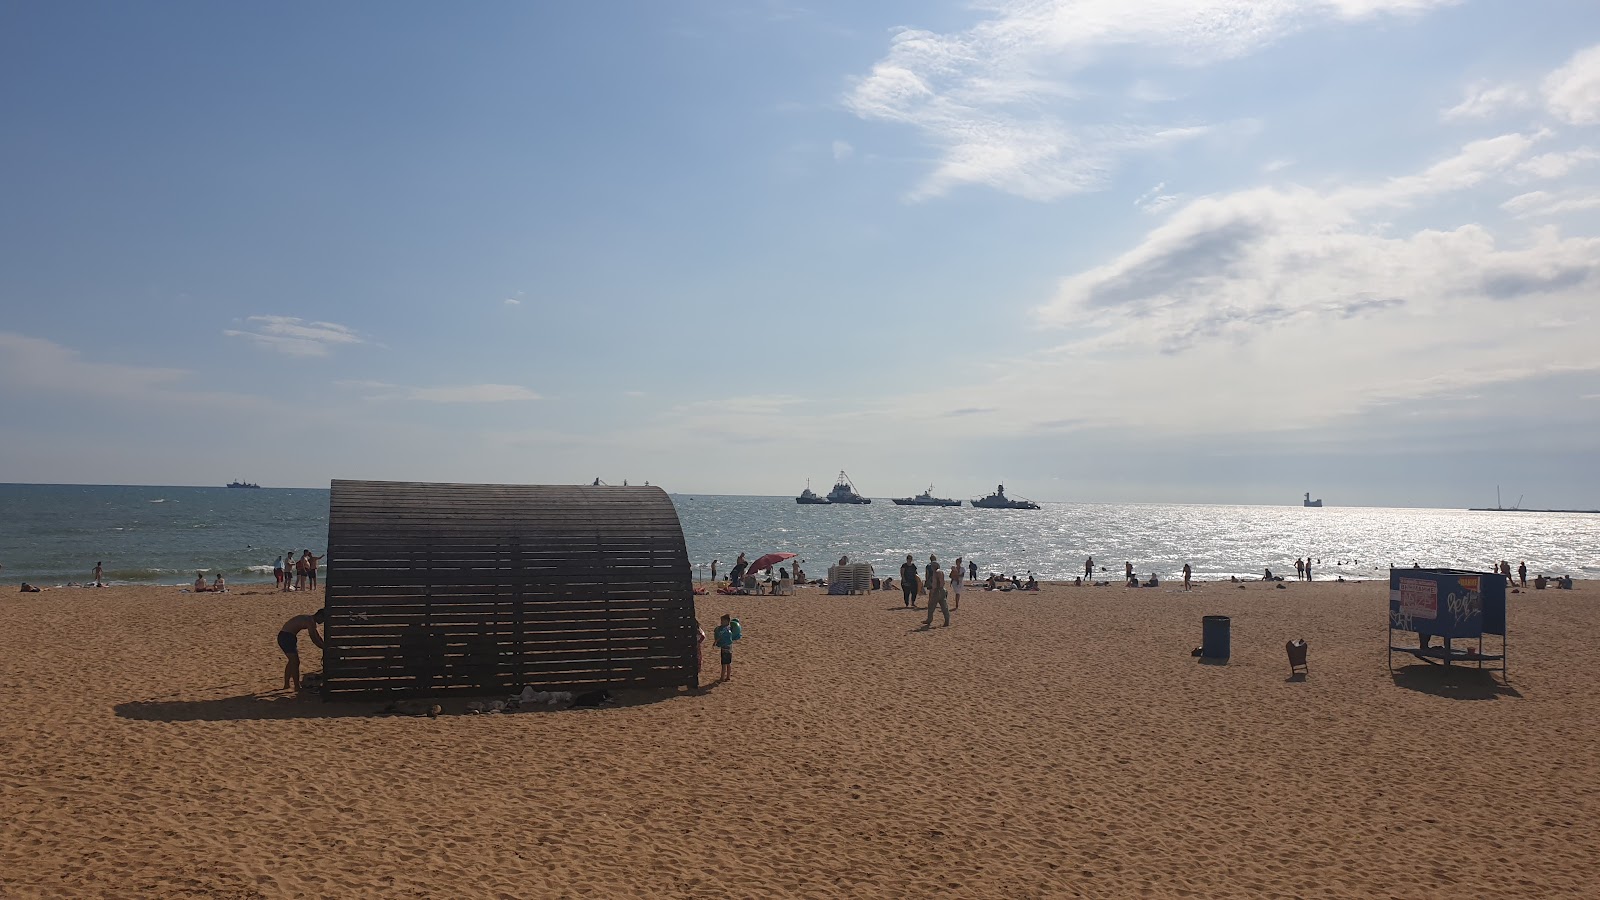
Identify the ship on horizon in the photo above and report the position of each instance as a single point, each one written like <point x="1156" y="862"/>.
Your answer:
<point x="243" y="484"/>
<point x="1517" y="507"/>
<point x="999" y="500"/>
<point x="926" y="498"/>
<point x="845" y="492"/>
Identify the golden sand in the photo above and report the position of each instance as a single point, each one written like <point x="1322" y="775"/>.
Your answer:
<point x="1054" y="744"/>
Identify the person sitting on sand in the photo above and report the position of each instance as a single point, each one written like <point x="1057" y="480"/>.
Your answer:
<point x="200" y="583"/>
<point x="1016" y="584"/>
<point x="1032" y="585"/>
<point x="219" y="586"/>
<point x="289" y="643"/>
<point x="1153" y="582"/>
<point x="1268" y="576"/>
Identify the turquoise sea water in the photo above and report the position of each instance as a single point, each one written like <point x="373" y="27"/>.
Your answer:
<point x="52" y="534"/>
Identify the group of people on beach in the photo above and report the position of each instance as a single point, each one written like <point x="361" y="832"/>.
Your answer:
<point x="296" y="574"/>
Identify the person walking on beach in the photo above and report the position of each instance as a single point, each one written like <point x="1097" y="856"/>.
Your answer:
<point x="1127" y="572"/>
<point x="972" y="571"/>
<point x="956" y="573"/>
<point x="1186" y="574"/>
<point x="936" y="593"/>
<point x="908" y="582"/>
<point x="97" y="571"/>
<point x="289" y="643"/>
<point x="726" y="633"/>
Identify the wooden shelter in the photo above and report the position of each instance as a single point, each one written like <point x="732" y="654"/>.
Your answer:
<point x="435" y="588"/>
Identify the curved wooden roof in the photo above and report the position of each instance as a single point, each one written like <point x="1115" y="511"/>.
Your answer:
<point x="436" y="587"/>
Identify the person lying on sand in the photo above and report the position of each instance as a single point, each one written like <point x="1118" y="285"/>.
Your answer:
<point x="28" y="589"/>
<point x="289" y="643"/>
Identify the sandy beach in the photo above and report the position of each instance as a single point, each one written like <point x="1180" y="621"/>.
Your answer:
<point x="1062" y="743"/>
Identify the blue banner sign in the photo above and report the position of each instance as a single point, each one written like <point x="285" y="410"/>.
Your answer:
<point x="1441" y="602"/>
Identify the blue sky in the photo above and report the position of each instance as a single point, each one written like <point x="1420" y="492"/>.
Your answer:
<point x="1217" y="250"/>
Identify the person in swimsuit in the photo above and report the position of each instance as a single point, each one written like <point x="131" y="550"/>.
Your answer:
<point x="957" y="578"/>
<point x="97" y="572"/>
<point x="311" y="569"/>
<point x="200" y="583"/>
<point x="289" y="643"/>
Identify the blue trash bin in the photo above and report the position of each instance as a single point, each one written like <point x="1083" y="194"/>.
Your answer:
<point x="1215" y="637"/>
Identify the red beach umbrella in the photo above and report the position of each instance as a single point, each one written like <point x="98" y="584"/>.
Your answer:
<point x="770" y="560"/>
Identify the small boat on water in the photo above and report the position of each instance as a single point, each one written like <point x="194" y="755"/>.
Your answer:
<point x="845" y="492"/>
<point x="999" y="500"/>
<point x="243" y="484"/>
<point x="808" y="496"/>
<point x="1315" y="504"/>
<point x="926" y="498"/>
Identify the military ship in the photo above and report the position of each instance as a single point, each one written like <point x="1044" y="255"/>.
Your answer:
<point x="845" y="492"/>
<point x="999" y="500"/>
<point x="926" y="498"/>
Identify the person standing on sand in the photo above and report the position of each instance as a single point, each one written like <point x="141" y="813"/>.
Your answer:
<point x="97" y="571"/>
<point x="1088" y="569"/>
<point x="311" y="568"/>
<point x="288" y="570"/>
<point x="908" y="582"/>
<point x="972" y="571"/>
<point x="1186" y="574"/>
<point x="739" y="565"/>
<point x="289" y="643"/>
<point x="1299" y="569"/>
<point x="1522" y="572"/>
<point x="936" y="593"/>
<point x="713" y="570"/>
<point x="277" y="572"/>
<point x="724" y="636"/>
<point x="1308" y="567"/>
<point x="956" y="573"/>
<point x="1127" y="572"/>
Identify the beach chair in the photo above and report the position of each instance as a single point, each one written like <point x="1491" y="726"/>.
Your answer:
<point x="784" y="588"/>
<point x="1297" y="657"/>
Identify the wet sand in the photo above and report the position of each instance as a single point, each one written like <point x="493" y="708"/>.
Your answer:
<point x="1062" y="743"/>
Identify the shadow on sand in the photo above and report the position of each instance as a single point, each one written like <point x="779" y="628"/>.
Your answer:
<point x="1454" y="682"/>
<point x="286" y="705"/>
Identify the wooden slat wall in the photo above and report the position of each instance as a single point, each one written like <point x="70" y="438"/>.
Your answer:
<point x="436" y="588"/>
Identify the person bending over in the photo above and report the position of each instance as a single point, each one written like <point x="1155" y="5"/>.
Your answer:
<point x="289" y="643"/>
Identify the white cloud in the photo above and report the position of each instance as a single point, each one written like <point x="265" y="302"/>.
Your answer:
<point x="842" y="150"/>
<point x="1546" y="203"/>
<point x="1154" y="201"/>
<point x="466" y="393"/>
<point x="1315" y="287"/>
<point x="992" y="98"/>
<point x="1484" y="100"/>
<point x="1557" y="165"/>
<point x="1277" y="165"/>
<point x="30" y="365"/>
<point x="294" y="336"/>
<point x="1572" y="92"/>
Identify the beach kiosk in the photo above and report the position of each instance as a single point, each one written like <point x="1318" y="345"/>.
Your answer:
<point x="456" y="588"/>
<point x="1449" y="610"/>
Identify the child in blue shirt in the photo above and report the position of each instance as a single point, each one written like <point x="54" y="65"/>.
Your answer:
<point x="726" y="634"/>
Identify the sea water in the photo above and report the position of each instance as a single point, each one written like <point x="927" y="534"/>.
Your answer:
<point x="53" y="534"/>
